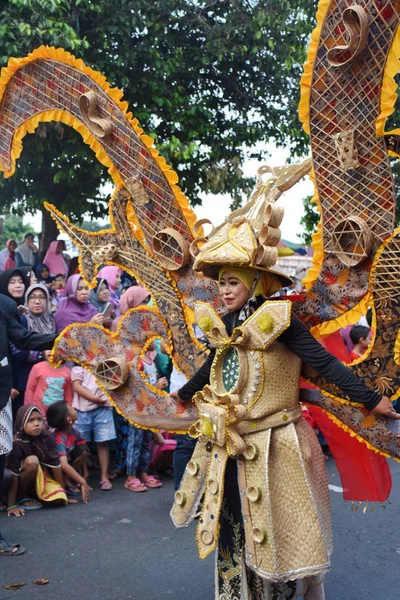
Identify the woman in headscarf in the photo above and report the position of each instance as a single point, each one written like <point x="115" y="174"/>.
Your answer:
<point x="14" y="283"/>
<point x="27" y="254"/>
<point x="100" y="298"/>
<point x="266" y="502"/>
<point x="54" y="259"/>
<point x="34" y="464"/>
<point x="42" y="273"/>
<point x="75" y="307"/>
<point x="132" y="298"/>
<point x="7" y="256"/>
<point x="113" y="277"/>
<point x="39" y="317"/>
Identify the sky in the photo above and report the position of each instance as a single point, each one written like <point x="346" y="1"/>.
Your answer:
<point x="216" y="207"/>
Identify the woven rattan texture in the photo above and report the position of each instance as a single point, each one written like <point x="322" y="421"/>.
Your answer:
<point x="349" y="99"/>
<point x="47" y="84"/>
<point x="379" y="369"/>
<point x="343" y="99"/>
<point x="294" y="505"/>
<point x="133" y="257"/>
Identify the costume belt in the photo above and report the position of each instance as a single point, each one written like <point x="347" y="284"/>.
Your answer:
<point x="221" y="425"/>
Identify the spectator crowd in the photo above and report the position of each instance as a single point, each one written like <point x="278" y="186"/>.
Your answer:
<point x="64" y="424"/>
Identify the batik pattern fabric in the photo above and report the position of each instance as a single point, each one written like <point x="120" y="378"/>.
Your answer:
<point x="235" y="581"/>
<point x="6" y="429"/>
<point x="139" y="401"/>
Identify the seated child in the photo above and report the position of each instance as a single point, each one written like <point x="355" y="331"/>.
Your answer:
<point x="95" y="417"/>
<point x="361" y="337"/>
<point x="71" y="447"/>
<point x="47" y="385"/>
<point x="138" y="451"/>
<point x="34" y="464"/>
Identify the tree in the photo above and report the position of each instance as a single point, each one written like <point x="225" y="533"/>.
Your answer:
<point x="94" y="225"/>
<point x="208" y="78"/>
<point x="13" y="227"/>
<point x="309" y="220"/>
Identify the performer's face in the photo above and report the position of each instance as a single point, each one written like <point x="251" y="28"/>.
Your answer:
<point x="233" y="292"/>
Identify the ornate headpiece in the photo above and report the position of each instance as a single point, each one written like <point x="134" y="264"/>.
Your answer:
<point x="250" y="235"/>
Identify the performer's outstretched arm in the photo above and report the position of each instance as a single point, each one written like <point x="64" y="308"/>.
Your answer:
<point x="198" y="381"/>
<point x="300" y="341"/>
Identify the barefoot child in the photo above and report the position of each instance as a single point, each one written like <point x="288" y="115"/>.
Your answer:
<point x="71" y="447"/>
<point x="95" y="418"/>
<point x="34" y="464"/>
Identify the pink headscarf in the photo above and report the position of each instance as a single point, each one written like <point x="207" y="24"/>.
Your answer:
<point x="110" y="275"/>
<point x="132" y="298"/>
<point x="54" y="261"/>
<point x="7" y="257"/>
<point x="70" y="310"/>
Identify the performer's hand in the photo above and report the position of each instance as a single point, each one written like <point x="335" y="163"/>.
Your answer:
<point x="177" y="397"/>
<point x="385" y="409"/>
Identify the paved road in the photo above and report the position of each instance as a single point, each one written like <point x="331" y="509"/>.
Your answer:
<point x="123" y="546"/>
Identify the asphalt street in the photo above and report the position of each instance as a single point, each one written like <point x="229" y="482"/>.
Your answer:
<point x="123" y="546"/>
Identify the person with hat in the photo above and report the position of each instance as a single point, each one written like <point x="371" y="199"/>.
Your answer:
<point x="257" y="461"/>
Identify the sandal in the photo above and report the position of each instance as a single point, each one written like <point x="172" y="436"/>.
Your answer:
<point x="105" y="486"/>
<point x="135" y="485"/>
<point x="7" y="549"/>
<point x="72" y="490"/>
<point x="35" y="504"/>
<point x="152" y="482"/>
<point x="3" y="505"/>
<point x="116" y="473"/>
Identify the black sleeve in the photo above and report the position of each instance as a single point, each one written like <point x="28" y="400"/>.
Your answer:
<point x="199" y="380"/>
<point x="301" y="342"/>
<point x="21" y="337"/>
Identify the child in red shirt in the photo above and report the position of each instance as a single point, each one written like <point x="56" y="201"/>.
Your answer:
<point x="71" y="448"/>
<point x="361" y="337"/>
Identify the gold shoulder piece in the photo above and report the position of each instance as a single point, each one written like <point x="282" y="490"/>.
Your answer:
<point x="210" y="324"/>
<point x="264" y="326"/>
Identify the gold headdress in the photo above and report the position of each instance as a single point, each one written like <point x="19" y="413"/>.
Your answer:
<point x="250" y="235"/>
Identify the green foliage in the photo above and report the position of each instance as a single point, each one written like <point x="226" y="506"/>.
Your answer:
<point x="207" y="78"/>
<point x="310" y="220"/>
<point x="13" y="228"/>
<point x="94" y="225"/>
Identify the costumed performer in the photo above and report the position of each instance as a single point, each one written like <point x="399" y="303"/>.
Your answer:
<point x="266" y="500"/>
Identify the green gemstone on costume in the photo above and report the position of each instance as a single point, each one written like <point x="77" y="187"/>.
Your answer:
<point x="230" y="369"/>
